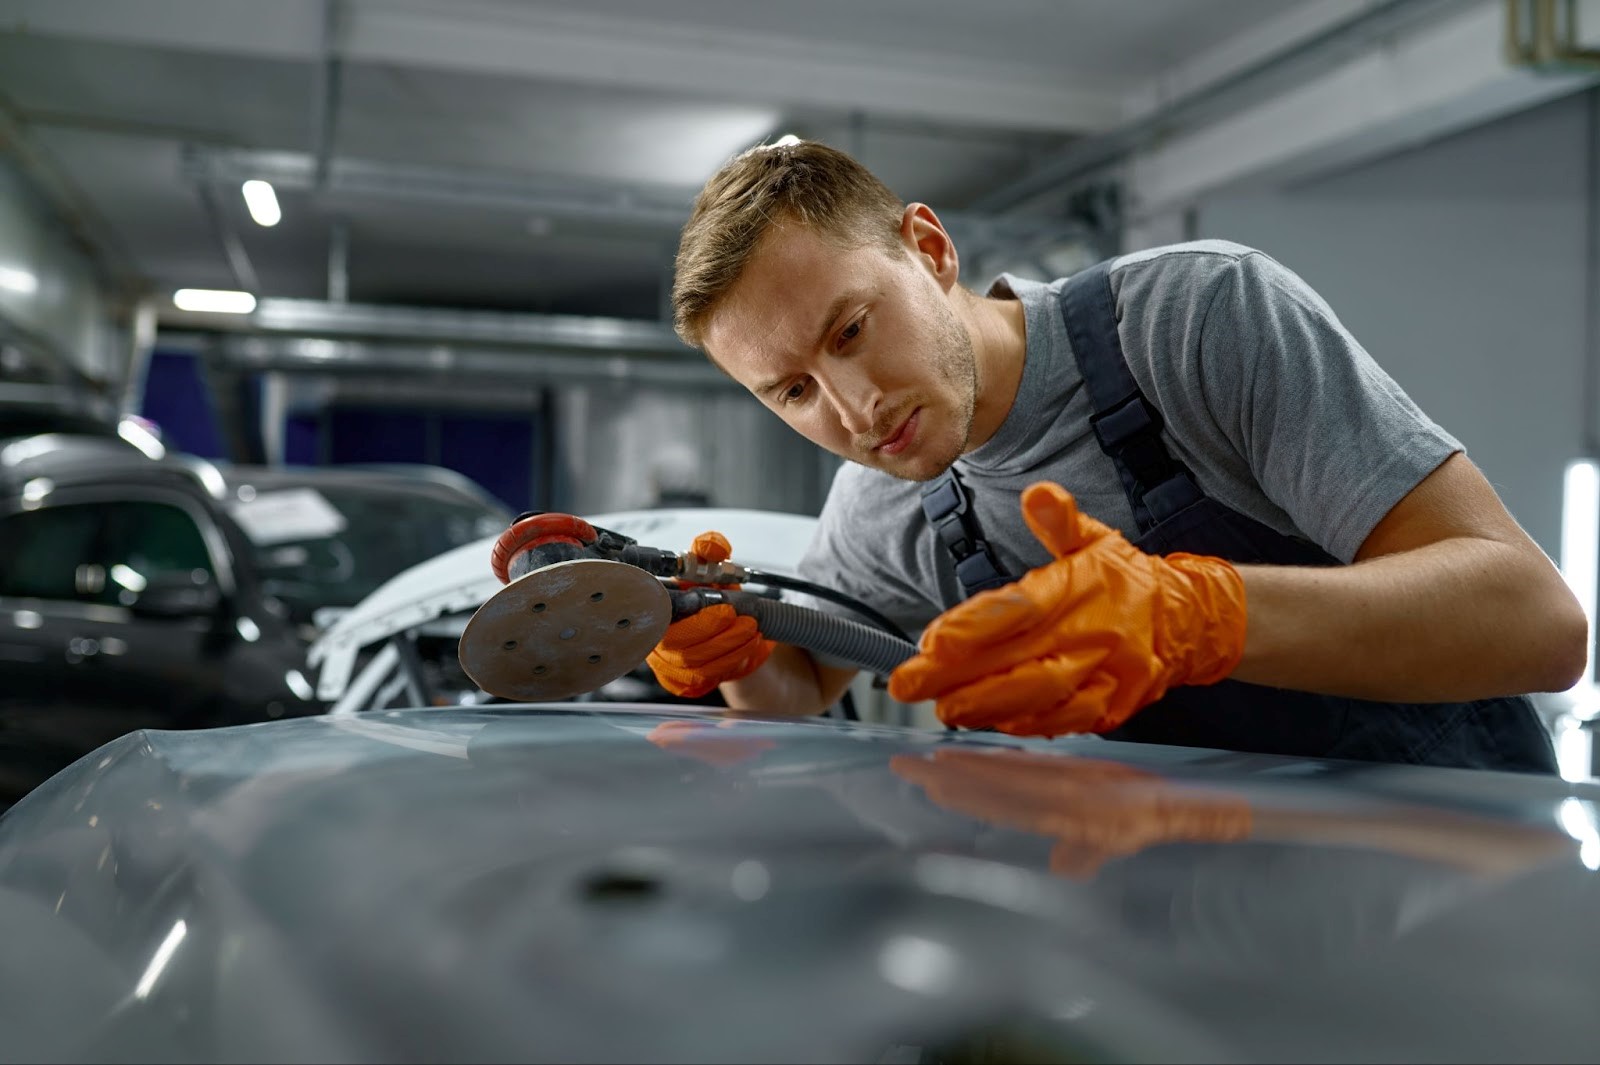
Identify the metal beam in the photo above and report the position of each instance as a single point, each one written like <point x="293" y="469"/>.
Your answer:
<point x="325" y="97"/>
<point x="244" y="272"/>
<point x="141" y="343"/>
<point x="1448" y="76"/>
<point x="339" y="261"/>
<point x="665" y="55"/>
<point x="635" y="204"/>
<point x="1257" y="81"/>
<point x="357" y="180"/>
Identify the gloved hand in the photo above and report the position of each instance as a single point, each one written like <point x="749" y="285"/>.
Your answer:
<point x="1094" y="810"/>
<point x="701" y="651"/>
<point x="1081" y="643"/>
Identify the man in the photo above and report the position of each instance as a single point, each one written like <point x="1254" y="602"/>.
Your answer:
<point x="1285" y="554"/>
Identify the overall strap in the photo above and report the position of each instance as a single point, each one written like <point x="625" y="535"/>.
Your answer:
<point x="947" y="504"/>
<point x="1126" y="424"/>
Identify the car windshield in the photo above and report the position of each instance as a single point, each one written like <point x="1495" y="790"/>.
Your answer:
<point x="330" y="546"/>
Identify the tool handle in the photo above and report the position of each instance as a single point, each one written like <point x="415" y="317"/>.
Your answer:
<point x="858" y="644"/>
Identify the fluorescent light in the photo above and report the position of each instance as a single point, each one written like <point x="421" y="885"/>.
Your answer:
<point x="215" y="300"/>
<point x="1580" y="546"/>
<point x="262" y="201"/>
<point x="18" y="281"/>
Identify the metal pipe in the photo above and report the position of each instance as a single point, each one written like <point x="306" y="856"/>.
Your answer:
<point x="303" y="354"/>
<point x="525" y="330"/>
<point x="244" y="273"/>
<point x="339" y="262"/>
<point x="325" y="98"/>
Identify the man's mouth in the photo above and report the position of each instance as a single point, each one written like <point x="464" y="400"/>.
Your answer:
<point x="901" y="438"/>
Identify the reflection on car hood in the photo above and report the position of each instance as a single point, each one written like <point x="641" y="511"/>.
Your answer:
<point x="597" y="882"/>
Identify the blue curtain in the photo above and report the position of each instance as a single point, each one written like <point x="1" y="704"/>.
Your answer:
<point x="497" y="450"/>
<point x="177" y="400"/>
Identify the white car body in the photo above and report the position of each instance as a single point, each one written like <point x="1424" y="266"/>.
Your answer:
<point x="442" y="593"/>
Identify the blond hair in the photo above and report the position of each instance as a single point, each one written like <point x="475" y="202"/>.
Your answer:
<point x="805" y="183"/>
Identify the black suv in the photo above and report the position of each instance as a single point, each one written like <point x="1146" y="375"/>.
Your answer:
<point x="140" y="592"/>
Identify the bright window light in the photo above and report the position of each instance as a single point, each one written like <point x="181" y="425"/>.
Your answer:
<point x="219" y="301"/>
<point x="1580" y="545"/>
<point x="262" y="202"/>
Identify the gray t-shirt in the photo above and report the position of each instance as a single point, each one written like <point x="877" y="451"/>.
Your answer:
<point x="1269" y="401"/>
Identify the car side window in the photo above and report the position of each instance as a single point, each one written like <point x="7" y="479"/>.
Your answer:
<point x="147" y="539"/>
<point x="42" y="551"/>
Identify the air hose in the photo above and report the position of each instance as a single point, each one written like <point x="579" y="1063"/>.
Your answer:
<point x="858" y="644"/>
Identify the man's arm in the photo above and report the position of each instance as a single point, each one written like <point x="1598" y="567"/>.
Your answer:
<point x="790" y="682"/>
<point x="1448" y="599"/>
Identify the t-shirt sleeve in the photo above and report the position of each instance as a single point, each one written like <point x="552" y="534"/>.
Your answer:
<point x="1328" y="435"/>
<point x="864" y="546"/>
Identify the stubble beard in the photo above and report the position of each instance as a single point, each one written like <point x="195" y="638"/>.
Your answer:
<point x="954" y="360"/>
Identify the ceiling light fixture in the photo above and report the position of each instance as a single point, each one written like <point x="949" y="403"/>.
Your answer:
<point x="213" y="300"/>
<point x="262" y="201"/>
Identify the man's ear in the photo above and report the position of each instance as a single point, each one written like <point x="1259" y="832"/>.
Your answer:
<point x="925" y="237"/>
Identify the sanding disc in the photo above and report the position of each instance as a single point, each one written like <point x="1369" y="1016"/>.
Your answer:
<point x="565" y="629"/>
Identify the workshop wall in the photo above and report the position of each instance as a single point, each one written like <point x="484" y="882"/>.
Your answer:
<point x="51" y="302"/>
<point x="616" y="448"/>
<point x="1462" y="267"/>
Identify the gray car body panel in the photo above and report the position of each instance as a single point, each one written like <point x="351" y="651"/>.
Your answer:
<point x="625" y="883"/>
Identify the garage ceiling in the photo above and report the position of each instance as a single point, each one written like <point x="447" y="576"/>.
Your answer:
<point x="535" y="155"/>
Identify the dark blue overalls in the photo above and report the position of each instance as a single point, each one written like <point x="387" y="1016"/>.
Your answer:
<point x="1174" y="515"/>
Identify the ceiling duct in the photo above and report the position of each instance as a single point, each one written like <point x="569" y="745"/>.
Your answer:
<point x="457" y="361"/>
<point x="561" y="332"/>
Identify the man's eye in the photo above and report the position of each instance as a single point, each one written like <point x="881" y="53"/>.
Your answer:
<point x="794" y="391"/>
<point x="850" y="332"/>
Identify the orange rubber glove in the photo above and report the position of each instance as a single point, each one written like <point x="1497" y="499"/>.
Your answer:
<point x="701" y="651"/>
<point x="1081" y="643"/>
<point x="1095" y="811"/>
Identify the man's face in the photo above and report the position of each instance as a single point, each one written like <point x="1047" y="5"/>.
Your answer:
<point x="858" y="351"/>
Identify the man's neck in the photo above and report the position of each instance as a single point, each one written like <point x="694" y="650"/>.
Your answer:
<point x="999" y="332"/>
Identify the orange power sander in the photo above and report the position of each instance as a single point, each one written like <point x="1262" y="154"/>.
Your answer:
<point x="583" y="605"/>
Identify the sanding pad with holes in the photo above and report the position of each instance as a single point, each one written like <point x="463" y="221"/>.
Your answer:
<point x="564" y="630"/>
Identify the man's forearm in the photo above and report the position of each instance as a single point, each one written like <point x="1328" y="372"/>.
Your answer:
<point x="1456" y="620"/>
<point x="787" y="683"/>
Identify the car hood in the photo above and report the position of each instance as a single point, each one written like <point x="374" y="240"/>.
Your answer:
<point x="601" y="882"/>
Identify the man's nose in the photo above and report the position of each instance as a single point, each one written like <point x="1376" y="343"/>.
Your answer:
<point x="855" y="395"/>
